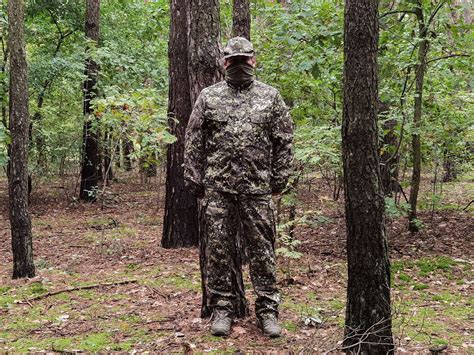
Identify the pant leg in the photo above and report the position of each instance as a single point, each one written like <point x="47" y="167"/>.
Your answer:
<point x="258" y="224"/>
<point x="220" y="211"/>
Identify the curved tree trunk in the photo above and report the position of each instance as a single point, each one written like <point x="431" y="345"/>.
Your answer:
<point x="22" y="243"/>
<point x="368" y="314"/>
<point x="180" y="227"/>
<point x="90" y="154"/>
<point x="413" y="226"/>
<point x="241" y="19"/>
<point x="205" y="70"/>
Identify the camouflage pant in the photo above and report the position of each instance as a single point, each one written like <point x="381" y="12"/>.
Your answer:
<point x="226" y="215"/>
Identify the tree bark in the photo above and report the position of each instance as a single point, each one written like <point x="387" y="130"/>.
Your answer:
<point x="241" y="19"/>
<point x="90" y="154"/>
<point x="368" y="313"/>
<point x="413" y="226"/>
<point x="204" y="70"/>
<point x="180" y="226"/>
<point x="22" y="239"/>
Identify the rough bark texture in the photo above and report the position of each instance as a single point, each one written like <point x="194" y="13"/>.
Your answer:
<point x="22" y="239"/>
<point x="180" y="228"/>
<point x="368" y="314"/>
<point x="204" y="64"/>
<point x="90" y="154"/>
<point x="416" y="138"/>
<point x="204" y="70"/>
<point x="241" y="18"/>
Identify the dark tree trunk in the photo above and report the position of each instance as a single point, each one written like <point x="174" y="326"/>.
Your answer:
<point x="449" y="166"/>
<point x="205" y="70"/>
<point x="368" y="314"/>
<point x="413" y="226"/>
<point x="204" y="49"/>
<point x="241" y="18"/>
<point x="389" y="161"/>
<point x="22" y="239"/>
<point x="127" y="150"/>
<point x="90" y="154"/>
<point x="180" y="227"/>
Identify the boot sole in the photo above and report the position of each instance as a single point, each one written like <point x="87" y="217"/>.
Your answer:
<point x="220" y="334"/>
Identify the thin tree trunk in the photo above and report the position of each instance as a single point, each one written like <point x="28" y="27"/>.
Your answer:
<point x="90" y="154"/>
<point x="368" y="313"/>
<point x="388" y="162"/>
<point x="180" y="227"/>
<point x="22" y="239"/>
<point x="413" y="226"/>
<point x="109" y="151"/>
<point x="241" y="19"/>
<point x="205" y="70"/>
<point x="127" y="151"/>
<point x="449" y="166"/>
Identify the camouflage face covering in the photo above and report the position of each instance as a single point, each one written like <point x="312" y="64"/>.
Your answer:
<point x="240" y="74"/>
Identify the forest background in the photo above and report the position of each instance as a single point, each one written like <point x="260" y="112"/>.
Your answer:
<point x="300" y="51"/>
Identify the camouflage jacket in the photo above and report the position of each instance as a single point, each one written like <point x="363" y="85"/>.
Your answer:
<point x="238" y="141"/>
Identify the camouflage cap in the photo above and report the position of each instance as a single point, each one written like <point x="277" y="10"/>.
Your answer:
<point x="239" y="46"/>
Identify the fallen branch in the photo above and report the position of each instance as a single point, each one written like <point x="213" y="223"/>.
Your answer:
<point x="78" y="288"/>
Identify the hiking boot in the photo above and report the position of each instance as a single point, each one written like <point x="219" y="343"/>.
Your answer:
<point x="221" y="322"/>
<point x="268" y="322"/>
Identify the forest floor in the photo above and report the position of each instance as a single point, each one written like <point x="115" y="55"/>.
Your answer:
<point x="104" y="283"/>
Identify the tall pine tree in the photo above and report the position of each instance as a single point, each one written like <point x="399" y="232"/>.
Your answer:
<point x="90" y="153"/>
<point x="180" y="227"/>
<point x="368" y="312"/>
<point x="22" y="239"/>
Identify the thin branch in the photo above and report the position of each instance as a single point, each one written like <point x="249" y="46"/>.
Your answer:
<point x="446" y="57"/>
<point x="433" y="15"/>
<point x="56" y="23"/>
<point x="86" y="287"/>
<point x="397" y="12"/>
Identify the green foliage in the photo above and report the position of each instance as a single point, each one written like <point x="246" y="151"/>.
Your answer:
<point x="394" y="210"/>
<point x="138" y="117"/>
<point x="4" y="142"/>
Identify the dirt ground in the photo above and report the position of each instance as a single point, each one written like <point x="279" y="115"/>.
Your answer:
<point x="104" y="283"/>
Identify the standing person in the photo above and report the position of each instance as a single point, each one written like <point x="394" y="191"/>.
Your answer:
<point x="238" y="152"/>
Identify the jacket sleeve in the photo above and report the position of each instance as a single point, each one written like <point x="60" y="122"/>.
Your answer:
<point x="282" y="145"/>
<point x="194" y="150"/>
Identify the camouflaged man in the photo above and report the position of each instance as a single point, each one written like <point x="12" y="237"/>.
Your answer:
<point x="238" y="152"/>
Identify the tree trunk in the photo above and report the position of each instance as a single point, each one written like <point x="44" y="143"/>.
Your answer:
<point x="90" y="154"/>
<point x="204" y="70"/>
<point x="368" y="314"/>
<point x="127" y="151"/>
<point x="22" y="239"/>
<point x="389" y="162"/>
<point x="413" y="226"/>
<point x="108" y="162"/>
<point x="241" y="19"/>
<point x="449" y="166"/>
<point x="180" y="226"/>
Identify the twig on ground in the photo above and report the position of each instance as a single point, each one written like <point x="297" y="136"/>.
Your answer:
<point x="78" y="288"/>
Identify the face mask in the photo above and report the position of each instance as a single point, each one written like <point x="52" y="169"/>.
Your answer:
<point x="240" y="74"/>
